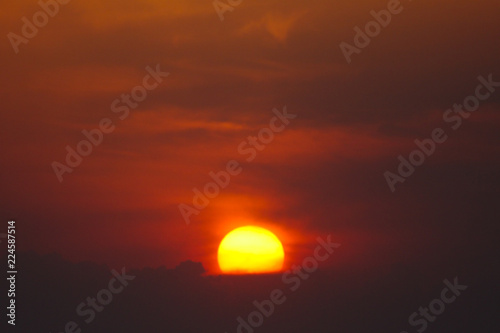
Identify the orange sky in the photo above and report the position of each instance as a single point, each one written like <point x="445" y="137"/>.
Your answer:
<point x="321" y="175"/>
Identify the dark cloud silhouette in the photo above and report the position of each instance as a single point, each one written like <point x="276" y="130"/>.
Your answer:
<point x="183" y="300"/>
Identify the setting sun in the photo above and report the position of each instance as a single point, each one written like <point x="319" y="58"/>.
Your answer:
<point x="250" y="249"/>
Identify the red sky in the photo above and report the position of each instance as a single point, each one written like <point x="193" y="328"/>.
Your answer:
<point x="322" y="175"/>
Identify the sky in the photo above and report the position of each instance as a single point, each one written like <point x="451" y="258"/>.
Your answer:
<point x="323" y="174"/>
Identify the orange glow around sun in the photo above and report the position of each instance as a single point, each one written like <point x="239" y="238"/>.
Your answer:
<point x="249" y="250"/>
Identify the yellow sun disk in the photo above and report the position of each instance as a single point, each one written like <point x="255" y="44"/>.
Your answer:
<point x="250" y="250"/>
